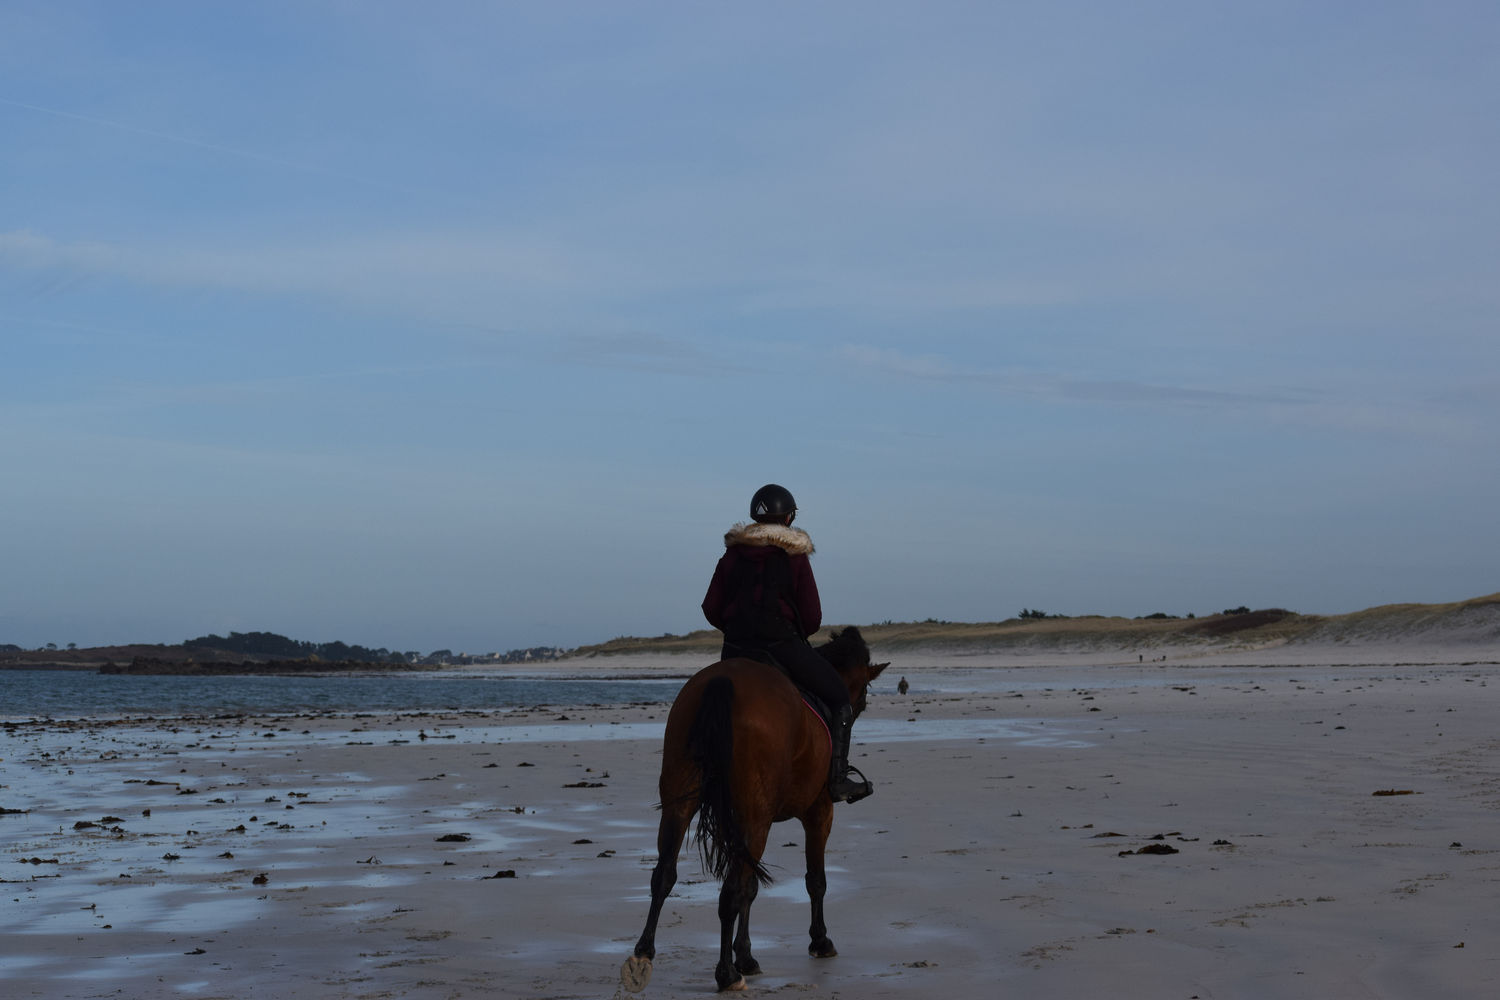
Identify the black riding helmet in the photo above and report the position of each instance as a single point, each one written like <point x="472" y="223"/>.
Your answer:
<point x="771" y="503"/>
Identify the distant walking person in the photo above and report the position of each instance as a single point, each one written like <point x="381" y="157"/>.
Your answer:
<point x="902" y="687"/>
<point x="764" y="599"/>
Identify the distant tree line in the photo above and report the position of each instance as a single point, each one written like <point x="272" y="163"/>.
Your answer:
<point x="279" y="647"/>
<point x="1031" y="614"/>
<point x="1241" y="610"/>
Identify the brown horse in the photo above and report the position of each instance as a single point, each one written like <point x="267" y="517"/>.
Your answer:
<point x="743" y="751"/>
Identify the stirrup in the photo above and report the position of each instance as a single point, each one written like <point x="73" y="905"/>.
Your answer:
<point x="846" y="789"/>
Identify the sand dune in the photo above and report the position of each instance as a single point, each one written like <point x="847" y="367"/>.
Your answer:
<point x="1474" y="622"/>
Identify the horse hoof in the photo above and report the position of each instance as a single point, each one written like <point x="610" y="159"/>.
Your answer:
<point x="635" y="973"/>
<point x="748" y="968"/>
<point x="822" y="949"/>
<point x="734" y="987"/>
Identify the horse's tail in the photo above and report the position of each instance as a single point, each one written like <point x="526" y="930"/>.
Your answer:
<point x="720" y="837"/>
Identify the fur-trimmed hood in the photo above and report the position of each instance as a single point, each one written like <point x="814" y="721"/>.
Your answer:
<point x="795" y="541"/>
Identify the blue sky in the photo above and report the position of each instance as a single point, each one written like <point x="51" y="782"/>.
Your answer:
<point x="474" y="325"/>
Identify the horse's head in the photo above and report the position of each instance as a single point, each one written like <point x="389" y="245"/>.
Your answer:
<point x="850" y="656"/>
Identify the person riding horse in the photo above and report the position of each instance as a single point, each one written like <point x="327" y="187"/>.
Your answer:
<point x="764" y="599"/>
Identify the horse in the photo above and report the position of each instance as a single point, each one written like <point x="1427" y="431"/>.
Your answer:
<point x="743" y="751"/>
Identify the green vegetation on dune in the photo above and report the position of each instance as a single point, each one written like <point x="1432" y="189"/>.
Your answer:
<point x="692" y="642"/>
<point x="1472" y="621"/>
<point x="1050" y="633"/>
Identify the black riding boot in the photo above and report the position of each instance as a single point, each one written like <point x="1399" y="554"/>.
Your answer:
<point x="841" y="786"/>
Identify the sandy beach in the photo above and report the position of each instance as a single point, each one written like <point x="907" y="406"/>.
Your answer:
<point x="1312" y="823"/>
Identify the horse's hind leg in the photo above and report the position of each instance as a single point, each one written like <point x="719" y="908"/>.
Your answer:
<point x="735" y="897"/>
<point x="815" y="827"/>
<point x="744" y="961"/>
<point x="675" y="817"/>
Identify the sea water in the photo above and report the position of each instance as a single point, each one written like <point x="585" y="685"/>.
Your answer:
<point x="65" y="694"/>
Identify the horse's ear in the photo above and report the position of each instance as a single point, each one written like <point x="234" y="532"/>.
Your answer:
<point x="876" y="669"/>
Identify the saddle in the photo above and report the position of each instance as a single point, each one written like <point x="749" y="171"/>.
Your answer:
<point x="812" y="701"/>
<point x="815" y="705"/>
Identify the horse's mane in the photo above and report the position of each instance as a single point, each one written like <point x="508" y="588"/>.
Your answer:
<point x="846" y="649"/>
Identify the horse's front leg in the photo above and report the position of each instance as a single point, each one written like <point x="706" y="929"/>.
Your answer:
<point x="815" y="827"/>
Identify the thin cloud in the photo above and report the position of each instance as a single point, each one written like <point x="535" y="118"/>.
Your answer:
<point x="926" y="367"/>
<point x="422" y="271"/>
<point x="1128" y="392"/>
<point x="277" y="162"/>
<point x="645" y="352"/>
<point x="1303" y="407"/>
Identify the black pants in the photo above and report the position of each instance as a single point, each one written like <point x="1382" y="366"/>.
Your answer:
<point x="805" y="664"/>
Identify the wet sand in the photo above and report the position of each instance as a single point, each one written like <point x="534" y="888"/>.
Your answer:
<point x="1069" y="829"/>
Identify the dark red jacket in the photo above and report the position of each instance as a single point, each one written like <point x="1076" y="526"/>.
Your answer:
<point x="757" y="542"/>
